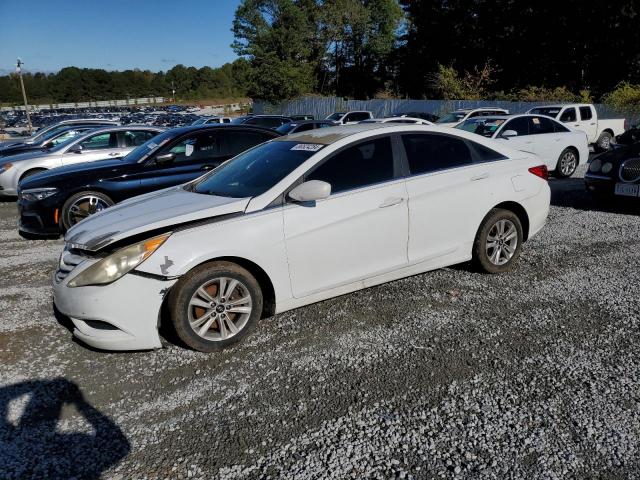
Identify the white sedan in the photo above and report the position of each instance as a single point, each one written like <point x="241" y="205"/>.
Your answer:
<point x="293" y="221"/>
<point x="561" y="149"/>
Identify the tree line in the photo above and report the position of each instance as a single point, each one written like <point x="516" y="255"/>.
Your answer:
<point x="489" y="49"/>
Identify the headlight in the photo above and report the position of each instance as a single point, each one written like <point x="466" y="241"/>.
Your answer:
<point x="119" y="263"/>
<point x="595" y="166"/>
<point x="5" y="167"/>
<point x="33" y="194"/>
<point x="606" y="168"/>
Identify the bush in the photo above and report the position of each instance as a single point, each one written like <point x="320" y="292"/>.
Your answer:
<point x="542" y="94"/>
<point x="625" y="97"/>
<point x="450" y="85"/>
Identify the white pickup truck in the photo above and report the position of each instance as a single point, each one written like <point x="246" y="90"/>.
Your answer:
<point x="583" y="116"/>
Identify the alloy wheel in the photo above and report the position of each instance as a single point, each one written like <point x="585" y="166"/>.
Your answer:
<point x="84" y="207"/>
<point x="568" y="163"/>
<point x="220" y="308"/>
<point x="502" y="242"/>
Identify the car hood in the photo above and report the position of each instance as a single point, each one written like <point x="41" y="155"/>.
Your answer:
<point x="153" y="211"/>
<point x="61" y="173"/>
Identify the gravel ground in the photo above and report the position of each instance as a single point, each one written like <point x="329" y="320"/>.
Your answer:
<point x="533" y="374"/>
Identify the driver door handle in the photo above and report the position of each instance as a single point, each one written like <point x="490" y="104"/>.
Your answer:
<point x="207" y="167"/>
<point x="115" y="154"/>
<point x="391" y="201"/>
<point x="480" y="176"/>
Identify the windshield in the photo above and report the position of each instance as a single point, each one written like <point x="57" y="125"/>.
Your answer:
<point x="47" y="132"/>
<point x="286" y="128"/>
<point x="200" y="121"/>
<point x="548" y="111"/>
<point x="255" y="171"/>
<point x="335" y="116"/>
<point x="482" y="126"/>
<point x="453" y="117"/>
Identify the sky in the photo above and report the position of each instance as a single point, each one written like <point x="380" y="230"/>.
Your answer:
<point x="115" y="34"/>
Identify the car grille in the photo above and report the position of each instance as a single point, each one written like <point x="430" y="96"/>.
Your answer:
<point x="630" y="170"/>
<point x="68" y="261"/>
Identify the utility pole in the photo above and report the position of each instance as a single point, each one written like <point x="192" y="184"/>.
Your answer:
<point x="173" y="92"/>
<point x="24" y="94"/>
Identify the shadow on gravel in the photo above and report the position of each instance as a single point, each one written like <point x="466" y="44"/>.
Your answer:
<point x="33" y="444"/>
<point x="571" y="193"/>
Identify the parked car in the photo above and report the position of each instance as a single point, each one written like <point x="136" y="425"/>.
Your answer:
<point x="268" y="121"/>
<point x="47" y="141"/>
<point x="211" y="120"/>
<point x="429" y="117"/>
<point x="54" y="201"/>
<point x="458" y="116"/>
<point x="409" y="120"/>
<point x="78" y="122"/>
<point x="295" y="126"/>
<point x="348" y="118"/>
<point x="96" y="144"/>
<point x="629" y="137"/>
<point x="615" y="173"/>
<point x="300" y="118"/>
<point x="293" y="221"/>
<point x="583" y="116"/>
<point x="561" y="149"/>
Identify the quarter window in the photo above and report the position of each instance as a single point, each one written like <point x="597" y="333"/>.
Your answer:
<point x="429" y="153"/>
<point x="358" y="166"/>
<point x="585" y="113"/>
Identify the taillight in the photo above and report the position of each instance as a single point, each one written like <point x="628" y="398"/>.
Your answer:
<point x="540" y="171"/>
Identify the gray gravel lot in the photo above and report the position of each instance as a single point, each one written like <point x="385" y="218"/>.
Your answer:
<point x="533" y="374"/>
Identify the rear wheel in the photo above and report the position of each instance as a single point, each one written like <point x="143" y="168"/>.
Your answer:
<point x="82" y="205"/>
<point x="604" y="142"/>
<point x="498" y="242"/>
<point x="215" y="305"/>
<point x="567" y="163"/>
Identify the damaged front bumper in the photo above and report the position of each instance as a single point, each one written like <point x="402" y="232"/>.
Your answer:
<point x="123" y="315"/>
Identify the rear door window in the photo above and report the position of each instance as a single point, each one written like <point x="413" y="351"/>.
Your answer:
<point x="585" y="113"/>
<point x="432" y="152"/>
<point x="358" y="166"/>
<point x="540" y="125"/>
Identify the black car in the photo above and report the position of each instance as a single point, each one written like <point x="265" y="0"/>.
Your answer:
<point x="46" y="141"/>
<point x="615" y="173"/>
<point x="49" y="203"/>
<point x="269" y="121"/>
<point x="430" y="117"/>
<point x="295" y="127"/>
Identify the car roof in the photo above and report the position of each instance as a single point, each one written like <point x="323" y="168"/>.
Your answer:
<point x="329" y="135"/>
<point x="228" y="126"/>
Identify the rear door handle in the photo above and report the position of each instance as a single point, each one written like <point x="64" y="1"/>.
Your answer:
<point x="480" y="176"/>
<point x="390" y="202"/>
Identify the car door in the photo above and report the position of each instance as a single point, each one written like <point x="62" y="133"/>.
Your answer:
<point x="588" y="122"/>
<point x="96" y="147"/>
<point x="449" y="194"/>
<point x="359" y="231"/>
<point x="522" y="141"/>
<point x="546" y="140"/>
<point x="570" y="116"/>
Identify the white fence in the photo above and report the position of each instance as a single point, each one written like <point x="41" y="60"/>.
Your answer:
<point x="99" y="103"/>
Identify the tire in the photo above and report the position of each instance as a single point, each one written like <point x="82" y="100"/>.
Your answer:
<point x="212" y="310"/>
<point x="603" y="143"/>
<point x="484" y="257"/>
<point x="30" y="173"/>
<point x="69" y="215"/>
<point x="567" y="163"/>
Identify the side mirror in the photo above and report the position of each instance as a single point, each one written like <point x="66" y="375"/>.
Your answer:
<point x="509" y="133"/>
<point x="75" y="149"/>
<point x="165" y="158"/>
<point x="310" y="191"/>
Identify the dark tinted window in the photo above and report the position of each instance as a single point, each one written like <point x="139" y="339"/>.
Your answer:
<point x="269" y="122"/>
<point x="429" y="152"/>
<point x="357" y="117"/>
<point x="233" y="143"/>
<point x="135" y="138"/>
<point x="585" y="113"/>
<point x="358" y="166"/>
<point x="569" y="115"/>
<point x="520" y="125"/>
<point x="253" y="172"/>
<point x="540" y="125"/>
<point x="485" y="154"/>
<point x="560" y="128"/>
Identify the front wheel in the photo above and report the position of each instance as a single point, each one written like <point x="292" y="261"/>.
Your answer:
<point x="604" y="142"/>
<point x="567" y="163"/>
<point x="498" y="242"/>
<point x="82" y="205"/>
<point x="215" y="305"/>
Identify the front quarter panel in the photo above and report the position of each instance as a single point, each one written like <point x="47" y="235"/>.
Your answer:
<point x="257" y="237"/>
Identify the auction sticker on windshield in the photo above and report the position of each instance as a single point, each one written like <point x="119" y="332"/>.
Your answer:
<point x="308" y="147"/>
